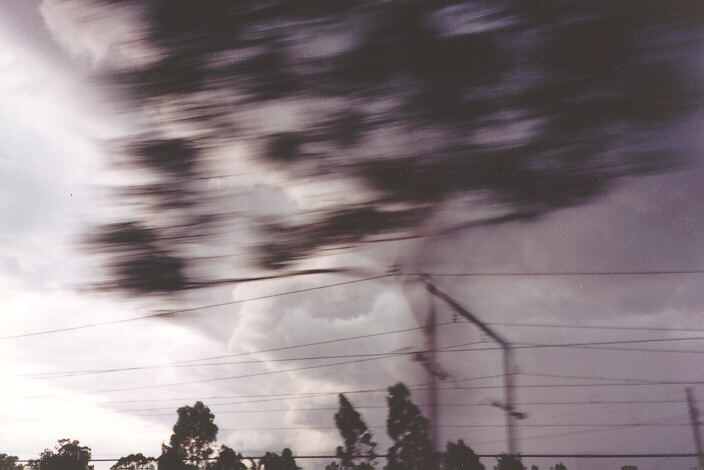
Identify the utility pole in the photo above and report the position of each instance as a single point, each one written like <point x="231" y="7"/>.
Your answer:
<point x="511" y="414"/>
<point x="694" y="418"/>
<point x="430" y="331"/>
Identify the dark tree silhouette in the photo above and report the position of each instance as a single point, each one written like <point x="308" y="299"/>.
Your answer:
<point x="410" y="432"/>
<point x="228" y="459"/>
<point x="9" y="462"/>
<point x="272" y="461"/>
<point x="529" y="106"/>
<point x="356" y="436"/>
<point x="509" y="462"/>
<point x="191" y="442"/>
<point x="68" y="455"/>
<point x="559" y="466"/>
<point x="135" y="462"/>
<point x="287" y="460"/>
<point x="460" y="457"/>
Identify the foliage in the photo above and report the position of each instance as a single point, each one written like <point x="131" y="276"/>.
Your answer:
<point x="272" y="461"/>
<point x="9" y="462"/>
<point x="191" y="442"/>
<point x="460" y="457"/>
<point x="68" y="455"/>
<point x="135" y="462"/>
<point x="629" y="467"/>
<point x="509" y="462"/>
<point x="356" y="436"/>
<point x="532" y="105"/>
<point x="410" y="433"/>
<point x="228" y="459"/>
<point x="559" y="466"/>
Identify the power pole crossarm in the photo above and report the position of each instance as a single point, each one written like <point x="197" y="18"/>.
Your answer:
<point x="511" y="415"/>
<point x="467" y="314"/>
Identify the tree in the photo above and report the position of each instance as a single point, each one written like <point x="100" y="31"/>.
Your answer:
<point x="9" y="462"/>
<point x="170" y="460"/>
<point x="559" y="466"/>
<point x="629" y="467"/>
<point x="460" y="457"/>
<point x="509" y="462"/>
<point x="228" y="459"/>
<point x="533" y="106"/>
<point x="68" y="455"/>
<point x="287" y="460"/>
<point x="356" y="437"/>
<point x="272" y="461"/>
<point x="410" y="432"/>
<point x="135" y="462"/>
<point x="191" y="442"/>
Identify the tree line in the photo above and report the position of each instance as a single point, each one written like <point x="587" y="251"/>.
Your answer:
<point x="192" y="446"/>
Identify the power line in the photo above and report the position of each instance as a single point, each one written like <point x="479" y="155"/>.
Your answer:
<point x="233" y="377"/>
<point x="595" y="345"/>
<point x="571" y="385"/>
<point x="361" y="407"/>
<point x="601" y="343"/>
<point x="191" y="309"/>
<point x="611" y="410"/>
<point x="379" y="407"/>
<point x="584" y="377"/>
<point x="648" y="402"/>
<point x="588" y="345"/>
<point x="312" y="395"/>
<point x="196" y="362"/>
<point x="288" y="396"/>
<point x="371" y="356"/>
<point x="525" y="456"/>
<point x="558" y="435"/>
<point x="596" y="327"/>
<point x="569" y="273"/>
<point x="256" y="374"/>
<point x="193" y="363"/>
<point x="575" y="433"/>
<point x="280" y="397"/>
<point x="353" y="281"/>
<point x="449" y="349"/>
<point x="471" y="426"/>
<point x="653" y="350"/>
<point x="218" y="379"/>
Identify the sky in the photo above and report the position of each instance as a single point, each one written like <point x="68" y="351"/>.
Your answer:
<point x="55" y="180"/>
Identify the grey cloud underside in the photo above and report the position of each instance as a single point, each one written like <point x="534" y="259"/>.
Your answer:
<point x="533" y="107"/>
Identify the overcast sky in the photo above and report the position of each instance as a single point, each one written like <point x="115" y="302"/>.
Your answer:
<point x="54" y="172"/>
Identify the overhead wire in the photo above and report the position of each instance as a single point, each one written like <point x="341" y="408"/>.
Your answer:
<point x="480" y="455"/>
<point x="653" y="272"/>
<point x="190" y="309"/>
<point x="233" y="377"/>
<point x="595" y="327"/>
<point x="561" y="434"/>
<point x="342" y="283"/>
<point x="198" y="362"/>
<point x="448" y="349"/>
<point x="471" y="426"/>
